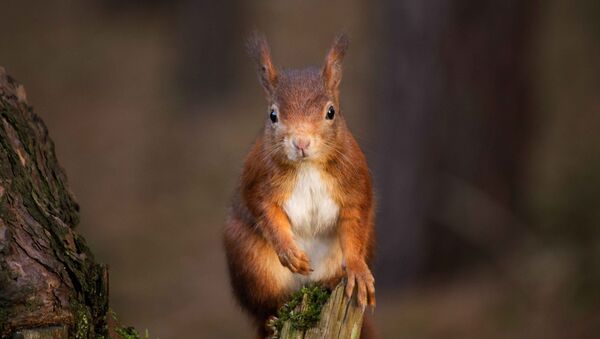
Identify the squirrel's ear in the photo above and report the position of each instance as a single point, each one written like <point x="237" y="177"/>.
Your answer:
<point x="332" y="71"/>
<point x="259" y="51"/>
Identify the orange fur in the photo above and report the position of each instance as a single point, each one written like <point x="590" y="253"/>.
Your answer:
<point x="265" y="250"/>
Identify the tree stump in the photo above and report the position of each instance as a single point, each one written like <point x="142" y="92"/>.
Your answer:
<point x="341" y="317"/>
<point x="50" y="284"/>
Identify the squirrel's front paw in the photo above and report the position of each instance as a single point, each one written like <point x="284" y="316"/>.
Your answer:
<point x="294" y="259"/>
<point x="358" y="274"/>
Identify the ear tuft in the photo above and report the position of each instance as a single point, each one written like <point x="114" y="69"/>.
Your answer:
<point x="259" y="51"/>
<point x="332" y="71"/>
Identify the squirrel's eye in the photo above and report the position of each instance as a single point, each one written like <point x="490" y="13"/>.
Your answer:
<point x="273" y="116"/>
<point x="330" y="113"/>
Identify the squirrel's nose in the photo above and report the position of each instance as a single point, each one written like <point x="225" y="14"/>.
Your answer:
<point x="301" y="143"/>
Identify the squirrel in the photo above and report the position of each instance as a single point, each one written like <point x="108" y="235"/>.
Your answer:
<point x="304" y="208"/>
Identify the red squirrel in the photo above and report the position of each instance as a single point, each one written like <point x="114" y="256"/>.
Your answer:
<point x="303" y="211"/>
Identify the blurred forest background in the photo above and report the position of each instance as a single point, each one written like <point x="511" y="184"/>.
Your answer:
<point x="480" y="120"/>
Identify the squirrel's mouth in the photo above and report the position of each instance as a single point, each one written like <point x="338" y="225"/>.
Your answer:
<point x="299" y="155"/>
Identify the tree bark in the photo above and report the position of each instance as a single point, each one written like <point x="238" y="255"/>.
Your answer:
<point x="50" y="284"/>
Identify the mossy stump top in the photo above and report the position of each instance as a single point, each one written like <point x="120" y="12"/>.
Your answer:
<point x="340" y="316"/>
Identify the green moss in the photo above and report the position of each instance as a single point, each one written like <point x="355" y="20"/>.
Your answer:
<point x="126" y="332"/>
<point x="82" y="322"/>
<point x="303" y="310"/>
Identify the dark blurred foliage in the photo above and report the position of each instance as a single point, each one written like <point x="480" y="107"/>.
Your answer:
<point x="479" y="119"/>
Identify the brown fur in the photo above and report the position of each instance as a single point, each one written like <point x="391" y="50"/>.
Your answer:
<point x="258" y="235"/>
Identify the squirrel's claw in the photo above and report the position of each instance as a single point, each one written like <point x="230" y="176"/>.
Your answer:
<point x="360" y="276"/>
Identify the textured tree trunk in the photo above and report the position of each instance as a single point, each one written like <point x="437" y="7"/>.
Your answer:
<point x="341" y="317"/>
<point x="50" y="285"/>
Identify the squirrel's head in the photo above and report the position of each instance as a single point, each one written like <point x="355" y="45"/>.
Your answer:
<point x="303" y="119"/>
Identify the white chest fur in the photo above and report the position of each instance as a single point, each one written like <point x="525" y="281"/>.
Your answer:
<point x="313" y="215"/>
<point x="310" y="208"/>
